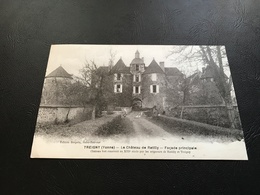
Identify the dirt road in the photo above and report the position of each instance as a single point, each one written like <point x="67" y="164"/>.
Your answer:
<point x="144" y="129"/>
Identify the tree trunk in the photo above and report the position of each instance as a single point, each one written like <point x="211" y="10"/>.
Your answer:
<point x="67" y="115"/>
<point x="221" y="83"/>
<point x="93" y="116"/>
<point x="231" y="114"/>
<point x="182" y="109"/>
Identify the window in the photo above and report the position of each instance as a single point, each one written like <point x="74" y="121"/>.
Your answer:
<point x="154" y="88"/>
<point x="154" y="77"/>
<point x="118" y="77"/>
<point x="137" y="67"/>
<point x="137" y="78"/>
<point x="137" y="89"/>
<point x="118" y="88"/>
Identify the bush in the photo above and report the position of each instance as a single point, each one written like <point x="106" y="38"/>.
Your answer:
<point x="212" y="116"/>
<point x="193" y="127"/>
<point x="110" y="112"/>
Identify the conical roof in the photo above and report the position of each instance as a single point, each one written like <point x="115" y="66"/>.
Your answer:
<point x="120" y="67"/>
<point x="153" y="68"/>
<point x="59" y="72"/>
<point x="172" y="71"/>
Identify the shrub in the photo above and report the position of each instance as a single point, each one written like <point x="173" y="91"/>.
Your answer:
<point x="212" y="116"/>
<point x="110" y="112"/>
<point x="193" y="127"/>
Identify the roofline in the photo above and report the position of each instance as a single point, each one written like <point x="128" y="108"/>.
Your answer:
<point x="69" y="77"/>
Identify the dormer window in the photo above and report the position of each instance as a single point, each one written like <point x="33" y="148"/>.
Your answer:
<point x="118" y="77"/>
<point x="137" y="67"/>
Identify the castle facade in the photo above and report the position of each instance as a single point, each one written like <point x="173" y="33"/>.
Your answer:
<point x="144" y="86"/>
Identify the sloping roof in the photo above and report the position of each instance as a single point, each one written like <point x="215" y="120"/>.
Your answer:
<point x="102" y="70"/>
<point x="153" y="68"/>
<point x="59" y="72"/>
<point x="194" y="79"/>
<point x="208" y="72"/>
<point x="120" y="67"/>
<point x="212" y="71"/>
<point x="137" y="61"/>
<point x="172" y="71"/>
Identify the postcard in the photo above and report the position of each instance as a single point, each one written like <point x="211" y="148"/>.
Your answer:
<point x="138" y="102"/>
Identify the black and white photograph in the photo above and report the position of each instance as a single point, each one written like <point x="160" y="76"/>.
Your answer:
<point x="138" y="102"/>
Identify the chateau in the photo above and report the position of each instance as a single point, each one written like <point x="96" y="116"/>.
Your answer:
<point x="138" y="86"/>
<point x="144" y="86"/>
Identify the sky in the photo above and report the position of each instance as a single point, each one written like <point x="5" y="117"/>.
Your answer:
<point x="72" y="57"/>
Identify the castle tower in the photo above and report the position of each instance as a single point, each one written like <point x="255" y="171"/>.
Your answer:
<point x="137" y="67"/>
<point x="154" y="85"/>
<point x="54" y="85"/>
<point x="59" y="73"/>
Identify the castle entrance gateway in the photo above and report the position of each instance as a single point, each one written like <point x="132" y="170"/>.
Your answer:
<point x="136" y="104"/>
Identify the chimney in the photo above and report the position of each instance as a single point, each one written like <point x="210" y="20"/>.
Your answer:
<point x="162" y="66"/>
<point x="143" y="59"/>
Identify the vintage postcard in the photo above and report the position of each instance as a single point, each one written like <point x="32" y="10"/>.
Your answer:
<point x="138" y="102"/>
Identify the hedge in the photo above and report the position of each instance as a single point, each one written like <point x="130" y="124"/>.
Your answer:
<point x="193" y="127"/>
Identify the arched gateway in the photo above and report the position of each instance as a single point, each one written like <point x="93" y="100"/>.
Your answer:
<point x="136" y="104"/>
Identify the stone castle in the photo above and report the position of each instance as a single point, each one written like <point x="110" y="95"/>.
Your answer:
<point x="141" y="85"/>
<point x="138" y="86"/>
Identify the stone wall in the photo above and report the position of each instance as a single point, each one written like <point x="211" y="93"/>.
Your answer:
<point x="57" y="113"/>
<point x="118" y="110"/>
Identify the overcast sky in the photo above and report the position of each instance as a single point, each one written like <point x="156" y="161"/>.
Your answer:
<point x="72" y="57"/>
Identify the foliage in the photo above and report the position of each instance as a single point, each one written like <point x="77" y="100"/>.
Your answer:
<point x="97" y="82"/>
<point x="186" y="127"/>
<point x="212" y="57"/>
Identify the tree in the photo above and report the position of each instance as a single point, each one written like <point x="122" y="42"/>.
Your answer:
<point x="92" y="81"/>
<point x="96" y="80"/>
<point x="211" y="56"/>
